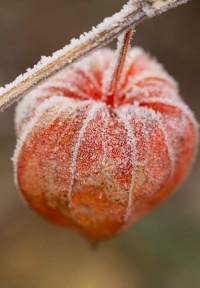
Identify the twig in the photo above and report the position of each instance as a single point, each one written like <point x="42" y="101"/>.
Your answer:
<point x="131" y="14"/>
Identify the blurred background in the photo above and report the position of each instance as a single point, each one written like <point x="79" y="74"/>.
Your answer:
<point x="162" y="249"/>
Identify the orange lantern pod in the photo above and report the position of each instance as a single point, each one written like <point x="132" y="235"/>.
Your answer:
<point x="96" y="161"/>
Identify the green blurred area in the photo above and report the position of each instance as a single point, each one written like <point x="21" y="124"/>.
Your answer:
<point x="163" y="249"/>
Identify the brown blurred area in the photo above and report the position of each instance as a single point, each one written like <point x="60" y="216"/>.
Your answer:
<point x="162" y="249"/>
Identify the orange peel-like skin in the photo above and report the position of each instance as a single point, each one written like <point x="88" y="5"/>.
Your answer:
<point x="97" y="168"/>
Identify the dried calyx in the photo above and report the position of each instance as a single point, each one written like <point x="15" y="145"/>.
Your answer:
<point x="101" y="144"/>
<point x="97" y="168"/>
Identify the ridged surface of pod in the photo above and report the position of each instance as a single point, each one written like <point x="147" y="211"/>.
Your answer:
<point x="85" y="164"/>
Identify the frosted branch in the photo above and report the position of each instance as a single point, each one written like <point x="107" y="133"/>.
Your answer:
<point x="131" y="14"/>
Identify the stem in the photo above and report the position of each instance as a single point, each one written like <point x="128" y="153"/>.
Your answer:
<point x="131" y="14"/>
<point x="116" y="74"/>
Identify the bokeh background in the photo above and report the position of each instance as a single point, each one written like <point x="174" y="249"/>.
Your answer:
<point x="163" y="248"/>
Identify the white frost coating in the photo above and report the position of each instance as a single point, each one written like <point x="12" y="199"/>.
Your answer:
<point x="53" y="101"/>
<point x="158" y="5"/>
<point x="153" y="74"/>
<point x="179" y="104"/>
<point x="27" y="106"/>
<point x="88" y="74"/>
<point x="147" y="91"/>
<point x="140" y="112"/>
<point x="96" y="106"/>
<point x="131" y="137"/>
<point x="83" y="72"/>
<point x="95" y="62"/>
<point x="169" y="146"/>
<point x="71" y="88"/>
<point x="59" y="104"/>
<point x="146" y="116"/>
<point x="134" y="54"/>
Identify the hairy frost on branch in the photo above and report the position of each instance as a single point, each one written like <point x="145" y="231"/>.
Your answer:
<point x="107" y="23"/>
<point x="130" y="15"/>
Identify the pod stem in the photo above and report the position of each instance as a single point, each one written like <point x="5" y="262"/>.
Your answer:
<point x="116" y="71"/>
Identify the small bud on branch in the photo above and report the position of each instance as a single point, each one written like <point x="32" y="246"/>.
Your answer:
<point x="131" y="14"/>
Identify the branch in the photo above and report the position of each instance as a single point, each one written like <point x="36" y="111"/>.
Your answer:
<point x="131" y="14"/>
